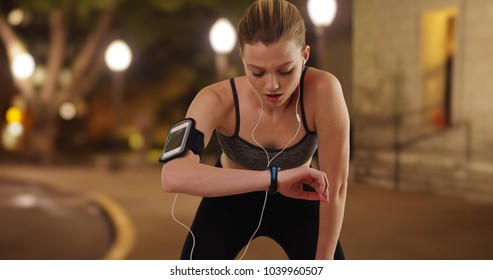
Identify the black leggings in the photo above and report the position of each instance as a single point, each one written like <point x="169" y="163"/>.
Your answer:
<point x="224" y="225"/>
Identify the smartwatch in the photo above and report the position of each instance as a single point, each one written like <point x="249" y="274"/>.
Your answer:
<point x="274" y="171"/>
<point x="182" y="136"/>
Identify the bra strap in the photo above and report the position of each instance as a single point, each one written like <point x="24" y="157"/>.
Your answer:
<point x="237" y="106"/>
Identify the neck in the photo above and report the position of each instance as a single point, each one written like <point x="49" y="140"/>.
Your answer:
<point x="276" y="112"/>
<point x="279" y="112"/>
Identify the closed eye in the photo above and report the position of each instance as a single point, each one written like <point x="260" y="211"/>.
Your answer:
<point x="282" y="73"/>
<point x="285" y="73"/>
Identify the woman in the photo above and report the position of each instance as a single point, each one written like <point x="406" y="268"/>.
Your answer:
<point x="273" y="116"/>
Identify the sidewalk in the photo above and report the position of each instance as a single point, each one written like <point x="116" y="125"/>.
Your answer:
<point x="61" y="225"/>
<point x="379" y="223"/>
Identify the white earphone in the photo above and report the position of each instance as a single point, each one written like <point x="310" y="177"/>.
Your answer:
<point x="269" y="160"/>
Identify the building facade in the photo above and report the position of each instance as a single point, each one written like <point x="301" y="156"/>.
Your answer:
<point x="422" y="95"/>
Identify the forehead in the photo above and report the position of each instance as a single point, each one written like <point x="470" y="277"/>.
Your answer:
<point x="271" y="55"/>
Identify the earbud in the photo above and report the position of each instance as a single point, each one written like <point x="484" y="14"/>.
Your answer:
<point x="298" y="117"/>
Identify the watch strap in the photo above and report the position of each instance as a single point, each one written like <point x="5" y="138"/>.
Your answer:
<point x="274" y="172"/>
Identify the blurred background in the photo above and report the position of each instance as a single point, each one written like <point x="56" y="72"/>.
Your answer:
<point x="88" y="90"/>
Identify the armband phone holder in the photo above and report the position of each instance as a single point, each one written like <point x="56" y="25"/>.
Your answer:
<point x="182" y="136"/>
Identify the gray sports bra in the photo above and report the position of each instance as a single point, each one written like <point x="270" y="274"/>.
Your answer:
<point x="253" y="157"/>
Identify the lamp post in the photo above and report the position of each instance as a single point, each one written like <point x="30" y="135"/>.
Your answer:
<point x="322" y="14"/>
<point x="118" y="57"/>
<point x="222" y="37"/>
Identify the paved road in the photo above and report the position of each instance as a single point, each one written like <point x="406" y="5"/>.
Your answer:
<point x="38" y="222"/>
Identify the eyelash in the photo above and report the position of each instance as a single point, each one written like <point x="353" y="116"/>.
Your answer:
<point x="258" y="75"/>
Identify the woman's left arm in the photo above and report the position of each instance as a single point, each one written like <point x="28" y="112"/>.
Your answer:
<point x="332" y="125"/>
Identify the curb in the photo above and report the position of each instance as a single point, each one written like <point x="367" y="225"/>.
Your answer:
<point x="124" y="239"/>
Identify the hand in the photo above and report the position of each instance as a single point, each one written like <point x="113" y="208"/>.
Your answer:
<point x="290" y="183"/>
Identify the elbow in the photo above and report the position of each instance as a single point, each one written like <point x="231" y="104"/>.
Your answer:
<point x="168" y="182"/>
<point x="342" y="192"/>
<point x="339" y="193"/>
<point x="167" y="186"/>
<point x="177" y="178"/>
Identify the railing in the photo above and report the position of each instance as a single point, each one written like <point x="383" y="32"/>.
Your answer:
<point x="399" y="141"/>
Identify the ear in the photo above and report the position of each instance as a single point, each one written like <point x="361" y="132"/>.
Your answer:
<point x="306" y="54"/>
<point x="240" y="49"/>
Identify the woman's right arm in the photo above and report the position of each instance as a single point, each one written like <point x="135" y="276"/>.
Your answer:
<point x="187" y="175"/>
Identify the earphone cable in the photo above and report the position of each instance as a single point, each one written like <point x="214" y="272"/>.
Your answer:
<point x="183" y="225"/>
<point x="269" y="160"/>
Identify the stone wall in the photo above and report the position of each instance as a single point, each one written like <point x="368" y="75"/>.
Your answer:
<point x="387" y="62"/>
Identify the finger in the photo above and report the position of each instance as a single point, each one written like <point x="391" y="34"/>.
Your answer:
<point x="306" y="195"/>
<point x="323" y="197"/>
<point x="315" y="179"/>
<point x="326" y="186"/>
<point x="324" y="194"/>
<point x="322" y="183"/>
<point x="323" y="187"/>
<point x="319" y="182"/>
<point x="310" y="179"/>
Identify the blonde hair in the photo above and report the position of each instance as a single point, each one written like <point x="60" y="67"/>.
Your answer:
<point x="270" y="21"/>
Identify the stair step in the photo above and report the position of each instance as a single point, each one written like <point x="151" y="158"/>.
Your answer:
<point x="443" y="174"/>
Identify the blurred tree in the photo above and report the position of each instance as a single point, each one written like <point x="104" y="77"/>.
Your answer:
<point x="58" y="56"/>
<point x="70" y="37"/>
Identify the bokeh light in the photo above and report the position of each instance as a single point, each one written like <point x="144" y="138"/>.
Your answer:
<point x="136" y="141"/>
<point x="13" y="115"/>
<point x="23" y="66"/>
<point x="118" y="56"/>
<point x="222" y="36"/>
<point x="67" y="111"/>
<point x="322" y="12"/>
<point x="16" y="17"/>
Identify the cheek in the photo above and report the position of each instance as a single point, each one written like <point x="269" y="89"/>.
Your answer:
<point x="288" y="84"/>
<point x="293" y="80"/>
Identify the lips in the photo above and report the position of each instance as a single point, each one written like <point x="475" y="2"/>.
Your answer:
<point x="274" y="97"/>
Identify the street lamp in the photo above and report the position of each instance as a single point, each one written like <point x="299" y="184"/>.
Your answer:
<point x="23" y="66"/>
<point x="322" y="14"/>
<point x="222" y="37"/>
<point x="118" y="57"/>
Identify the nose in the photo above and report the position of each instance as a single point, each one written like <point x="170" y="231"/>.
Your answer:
<point x="272" y="82"/>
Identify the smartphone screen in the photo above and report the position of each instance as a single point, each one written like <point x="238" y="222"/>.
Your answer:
<point x="175" y="139"/>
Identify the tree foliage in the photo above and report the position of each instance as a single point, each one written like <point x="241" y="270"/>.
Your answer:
<point x="72" y="35"/>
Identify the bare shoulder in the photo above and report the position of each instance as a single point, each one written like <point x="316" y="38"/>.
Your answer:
<point x="322" y="84"/>
<point x="324" y="97"/>
<point x="216" y="94"/>
<point x="211" y="106"/>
